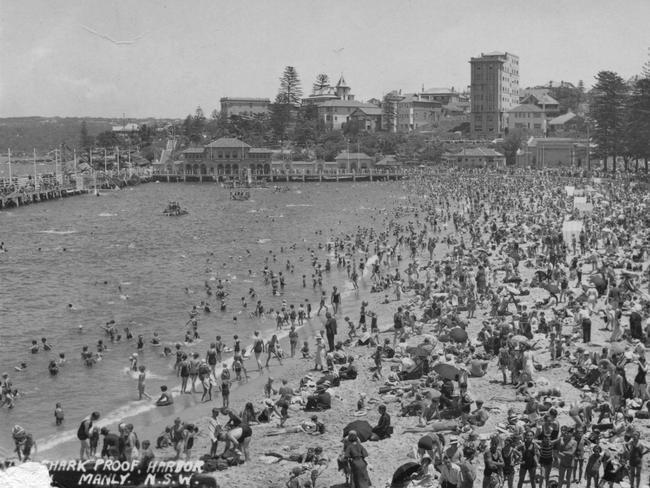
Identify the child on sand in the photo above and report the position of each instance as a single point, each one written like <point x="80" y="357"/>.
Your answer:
<point x="305" y="350"/>
<point x="165" y="397"/>
<point x="377" y="358"/>
<point x="141" y="388"/>
<point x="318" y="359"/>
<point x="268" y="388"/>
<point x="94" y="441"/>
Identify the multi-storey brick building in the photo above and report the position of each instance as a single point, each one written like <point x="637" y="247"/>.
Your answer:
<point x="494" y="91"/>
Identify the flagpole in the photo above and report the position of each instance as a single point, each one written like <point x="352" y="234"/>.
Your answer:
<point x="9" y="165"/>
<point x="105" y="170"/>
<point x="34" y="168"/>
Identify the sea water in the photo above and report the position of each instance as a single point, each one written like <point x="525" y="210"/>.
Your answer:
<point x="116" y="257"/>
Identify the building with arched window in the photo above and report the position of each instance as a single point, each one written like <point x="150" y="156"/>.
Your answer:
<point x="226" y="157"/>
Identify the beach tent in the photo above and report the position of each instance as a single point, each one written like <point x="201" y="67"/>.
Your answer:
<point x="571" y="228"/>
<point x="569" y="190"/>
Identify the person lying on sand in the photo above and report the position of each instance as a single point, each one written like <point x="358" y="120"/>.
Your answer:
<point x="312" y="427"/>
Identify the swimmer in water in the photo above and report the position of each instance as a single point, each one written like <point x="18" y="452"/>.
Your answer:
<point x="34" y="347"/>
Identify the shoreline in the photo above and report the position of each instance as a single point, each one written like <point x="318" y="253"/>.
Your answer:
<point x="150" y="420"/>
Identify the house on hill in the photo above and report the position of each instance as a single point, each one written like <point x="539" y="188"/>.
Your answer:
<point x="568" y="123"/>
<point x="528" y="118"/>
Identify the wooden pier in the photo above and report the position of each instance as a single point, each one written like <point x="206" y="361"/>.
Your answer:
<point x="24" y="196"/>
<point x="280" y="178"/>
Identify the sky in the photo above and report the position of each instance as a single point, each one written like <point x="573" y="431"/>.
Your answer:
<point x="163" y="58"/>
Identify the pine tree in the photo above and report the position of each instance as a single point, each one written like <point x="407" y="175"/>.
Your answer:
<point x="608" y="112"/>
<point x="322" y="81"/>
<point x="637" y="133"/>
<point x="645" y="69"/>
<point x="85" y="141"/>
<point x="290" y="89"/>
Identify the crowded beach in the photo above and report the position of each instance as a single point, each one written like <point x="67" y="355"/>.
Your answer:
<point x="490" y="329"/>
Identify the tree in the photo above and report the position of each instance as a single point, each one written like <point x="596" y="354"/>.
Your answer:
<point x="280" y="118"/>
<point x="645" y="70"/>
<point x="85" y="140"/>
<point x="568" y="97"/>
<point x="510" y="145"/>
<point x="608" y="112"/>
<point x="637" y="127"/>
<point x="290" y="90"/>
<point x="389" y="109"/>
<point x="322" y="82"/>
<point x="107" y="139"/>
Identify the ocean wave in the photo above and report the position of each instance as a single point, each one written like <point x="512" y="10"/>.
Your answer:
<point x="263" y="241"/>
<point x="150" y="376"/>
<point x="106" y="214"/>
<point x="299" y="205"/>
<point x="57" y="232"/>
<point x="115" y="417"/>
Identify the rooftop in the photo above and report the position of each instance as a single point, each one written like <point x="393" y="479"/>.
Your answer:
<point x="525" y="107"/>
<point x="370" y="110"/>
<point x="476" y="152"/>
<point x="439" y="91"/>
<point x="562" y="119"/>
<point x="345" y="103"/>
<point x="244" y="99"/>
<point x="229" y="142"/>
<point x="346" y="155"/>
<point x="194" y="150"/>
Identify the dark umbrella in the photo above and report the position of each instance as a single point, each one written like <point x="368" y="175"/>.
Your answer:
<point x="448" y="371"/>
<point x="458" y="334"/>
<point x="513" y="279"/>
<point x="598" y="280"/>
<point x="361" y="427"/>
<point x="404" y="473"/>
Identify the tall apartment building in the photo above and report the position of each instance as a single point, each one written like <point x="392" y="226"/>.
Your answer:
<point x="494" y="91"/>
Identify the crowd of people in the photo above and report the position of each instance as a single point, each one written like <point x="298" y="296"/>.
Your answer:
<point x="485" y="290"/>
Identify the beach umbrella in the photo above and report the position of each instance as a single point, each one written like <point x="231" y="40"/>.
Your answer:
<point x="513" y="279"/>
<point x="403" y="474"/>
<point x="598" y="280"/>
<point x="444" y="336"/>
<point x="446" y="370"/>
<point x="458" y="334"/>
<point x="361" y="427"/>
